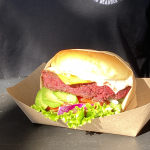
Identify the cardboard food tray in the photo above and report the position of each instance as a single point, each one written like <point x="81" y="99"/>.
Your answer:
<point x="127" y="123"/>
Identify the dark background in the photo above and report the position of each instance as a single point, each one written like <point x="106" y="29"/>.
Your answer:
<point x="31" y="32"/>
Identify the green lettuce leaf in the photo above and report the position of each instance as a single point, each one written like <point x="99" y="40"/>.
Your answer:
<point x="83" y="115"/>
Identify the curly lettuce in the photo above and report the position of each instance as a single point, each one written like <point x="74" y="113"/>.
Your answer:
<point x="82" y="115"/>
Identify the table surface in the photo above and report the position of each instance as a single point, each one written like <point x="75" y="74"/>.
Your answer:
<point x="18" y="133"/>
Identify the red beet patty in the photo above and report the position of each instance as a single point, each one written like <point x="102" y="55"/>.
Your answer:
<point x="89" y="90"/>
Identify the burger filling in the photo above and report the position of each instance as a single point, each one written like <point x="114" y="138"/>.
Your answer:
<point x="87" y="90"/>
<point x="77" y="103"/>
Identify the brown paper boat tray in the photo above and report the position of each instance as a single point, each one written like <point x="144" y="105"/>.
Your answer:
<point x="128" y="123"/>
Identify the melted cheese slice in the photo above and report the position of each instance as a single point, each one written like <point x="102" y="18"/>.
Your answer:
<point x="115" y="85"/>
<point x="71" y="79"/>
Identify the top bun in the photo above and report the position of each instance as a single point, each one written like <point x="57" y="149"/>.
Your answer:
<point x="90" y="63"/>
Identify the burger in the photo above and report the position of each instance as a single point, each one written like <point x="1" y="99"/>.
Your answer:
<point x="78" y="85"/>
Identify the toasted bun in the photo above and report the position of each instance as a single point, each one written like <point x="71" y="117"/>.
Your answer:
<point x="80" y="62"/>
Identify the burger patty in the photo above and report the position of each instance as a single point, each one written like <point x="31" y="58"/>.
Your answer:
<point x="88" y="90"/>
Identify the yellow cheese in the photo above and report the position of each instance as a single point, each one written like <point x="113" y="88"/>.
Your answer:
<point x="71" y="79"/>
<point x="115" y="85"/>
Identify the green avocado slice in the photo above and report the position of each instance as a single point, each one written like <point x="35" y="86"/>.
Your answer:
<point x="38" y="101"/>
<point x="66" y="97"/>
<point x="50" y="99"/>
